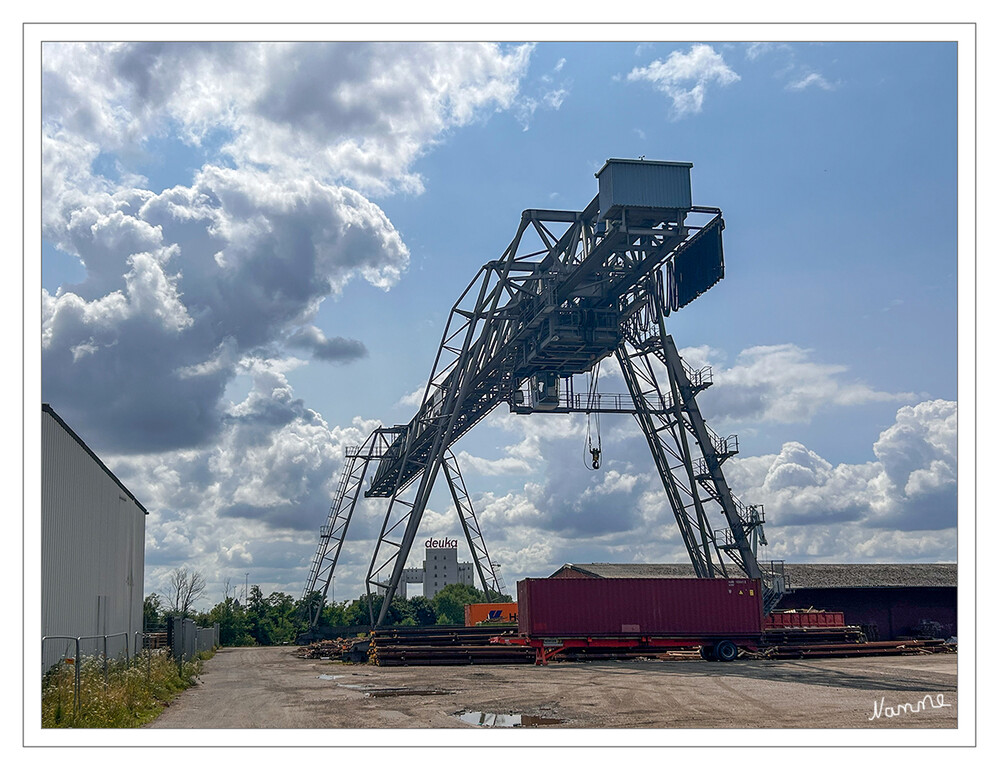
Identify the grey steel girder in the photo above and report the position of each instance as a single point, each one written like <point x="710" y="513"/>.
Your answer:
<point x="487" y="571"/>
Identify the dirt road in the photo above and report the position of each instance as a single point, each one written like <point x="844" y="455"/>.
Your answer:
<point x="268" y="687"/>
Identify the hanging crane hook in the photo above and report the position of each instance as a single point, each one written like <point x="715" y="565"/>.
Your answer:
<point x="591" y="403"/>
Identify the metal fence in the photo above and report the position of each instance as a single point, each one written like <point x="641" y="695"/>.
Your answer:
<point x="184" y="641"/>
<point x="103" y="650"/>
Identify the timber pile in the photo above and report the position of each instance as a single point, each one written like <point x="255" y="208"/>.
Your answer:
<point x="334" y="649"/>
<point x="445" y="646"/>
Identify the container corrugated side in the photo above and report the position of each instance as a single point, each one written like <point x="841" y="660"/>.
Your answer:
<point x="804" y="620"/>
<point x="643" y="606"/>
<point x="505" y="612"/>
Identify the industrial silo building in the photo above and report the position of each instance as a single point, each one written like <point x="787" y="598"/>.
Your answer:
<point x="93" y="537"/>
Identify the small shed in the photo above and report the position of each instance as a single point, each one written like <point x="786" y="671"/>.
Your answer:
<point x="644" y="186"/>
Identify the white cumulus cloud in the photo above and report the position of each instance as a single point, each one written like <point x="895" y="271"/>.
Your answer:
<point x="779" y="383"/>
<point x="812" y="79"/>
<point x="685" y="77"/>
<point x="910" y="486"/>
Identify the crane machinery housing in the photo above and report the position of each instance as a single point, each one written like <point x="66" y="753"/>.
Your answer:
<point x="572" y="288"/>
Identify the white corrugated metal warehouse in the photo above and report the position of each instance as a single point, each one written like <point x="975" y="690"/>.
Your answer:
<point x="93" y="540"/>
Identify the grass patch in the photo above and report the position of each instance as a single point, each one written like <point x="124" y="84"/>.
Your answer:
<point x="130" y="695"/>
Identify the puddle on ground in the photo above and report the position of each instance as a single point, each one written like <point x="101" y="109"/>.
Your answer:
<point x="390" y="691"/>
<point x="485" y="719"/>
<point x="325" y="676"/>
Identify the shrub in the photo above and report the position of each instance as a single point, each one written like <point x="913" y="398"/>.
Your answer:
<point x="129" y="695"/>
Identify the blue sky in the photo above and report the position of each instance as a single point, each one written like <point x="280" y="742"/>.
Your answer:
<point x="250" y="251"/>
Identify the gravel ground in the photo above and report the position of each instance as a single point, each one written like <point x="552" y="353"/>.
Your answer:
<point x="268" y="687"/>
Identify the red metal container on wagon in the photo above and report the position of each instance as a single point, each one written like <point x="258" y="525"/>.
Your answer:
<point x="804" y="619"/>
<point x="675" y="607"/>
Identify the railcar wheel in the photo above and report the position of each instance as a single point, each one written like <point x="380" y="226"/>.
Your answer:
<point x="726" y="650"/>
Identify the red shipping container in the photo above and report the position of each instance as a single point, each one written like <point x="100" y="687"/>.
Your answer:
<point x="804" y="620"/>
<point x="675" y="607"/>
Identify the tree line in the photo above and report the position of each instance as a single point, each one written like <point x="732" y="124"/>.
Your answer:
<point x="280" y="619"/>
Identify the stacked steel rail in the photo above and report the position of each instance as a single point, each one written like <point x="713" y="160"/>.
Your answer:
<point x="545" y="651"/>
<point x="847" y="650"/>
<point x="813" y="636"/>
<point x="443" y="646"/>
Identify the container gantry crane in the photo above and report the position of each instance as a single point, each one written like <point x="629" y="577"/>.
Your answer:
<point x="571" y="289"/>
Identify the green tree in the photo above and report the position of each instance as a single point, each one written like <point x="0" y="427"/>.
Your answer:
<point x="234" y="627"/>
<point x="356" y="613"/>
<point x="450" y="602"/>
<point x="335" y="614"/>
<point x="256" y="614"/>
<point x="306" y="606"/>
<point x="152" y="607"/>
<point x="272" y="620"/>
<point x="423" y="610"/>
<point x="400" y="612"/>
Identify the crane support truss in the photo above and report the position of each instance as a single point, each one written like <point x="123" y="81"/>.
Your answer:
<point x="573" y="288"/>
<point x="488" y="572"/>
<point x="332" y="536"/>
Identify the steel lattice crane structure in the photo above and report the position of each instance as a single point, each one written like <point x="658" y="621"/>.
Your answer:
<point x="572" y="289"/>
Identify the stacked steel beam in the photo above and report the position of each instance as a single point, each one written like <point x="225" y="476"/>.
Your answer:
<point x="444" y="646"/>
<point x="629" y="653"/>
<point x="808" y="636"/>
<point x="901" y="647"/>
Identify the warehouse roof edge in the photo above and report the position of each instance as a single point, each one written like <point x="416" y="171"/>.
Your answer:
<point x="48" y="408"/>
<point x="799" y="575"/>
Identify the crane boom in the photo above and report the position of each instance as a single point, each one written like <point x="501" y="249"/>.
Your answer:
<point x="562" y="314"/>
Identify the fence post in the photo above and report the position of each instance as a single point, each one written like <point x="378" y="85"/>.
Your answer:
<point x="105" y="662"/>
<point x="175" y="627"/>
<point x="190" y="639"/>
<point x="76" y="678"/>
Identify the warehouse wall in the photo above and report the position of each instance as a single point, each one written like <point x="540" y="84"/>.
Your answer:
<point x="895" y="611"/>
<point x="93" y="536"/>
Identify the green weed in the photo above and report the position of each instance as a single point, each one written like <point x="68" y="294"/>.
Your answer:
<point x="128" y="695"/>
